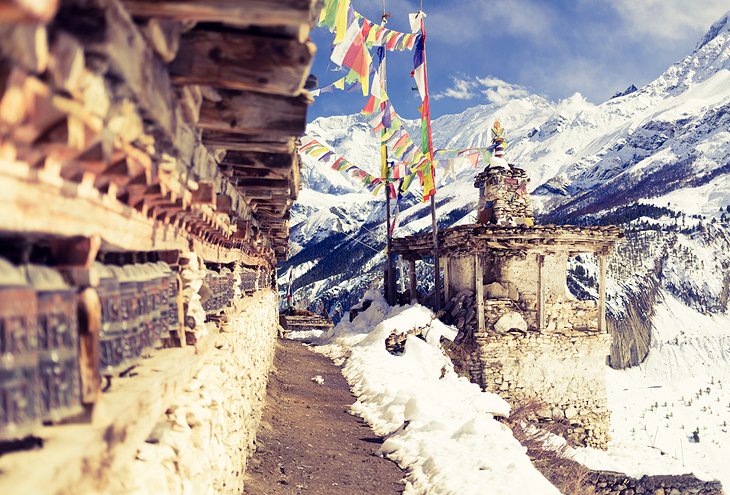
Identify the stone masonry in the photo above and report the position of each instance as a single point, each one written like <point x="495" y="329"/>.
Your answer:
<point x="504" y="199"/>
<point x="202" y="444"/>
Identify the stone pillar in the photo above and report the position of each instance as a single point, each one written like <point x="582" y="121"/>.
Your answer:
<point x="479" y="291"/>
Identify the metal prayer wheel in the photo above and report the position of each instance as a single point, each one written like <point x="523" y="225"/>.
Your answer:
<point x="131" y="288"/>
<point x="20" y="410"/>
<point x="60" y="393"/>
<point x="111" y="339"/>
<point x="248" y="281"/>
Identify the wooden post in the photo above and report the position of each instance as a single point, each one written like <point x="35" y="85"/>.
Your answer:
<point x="540" y="292"/>
<point x="389" y="279"/>
<point x="447" y="282"/>
<point x="479" y="291"/>
<point x="89" y="314"/>
<point x="602" y="292"/>
<point x="436" y="267"/>
<point x="412" y="281"/>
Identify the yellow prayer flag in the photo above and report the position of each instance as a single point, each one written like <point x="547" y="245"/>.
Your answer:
<point x="341" y="20"/>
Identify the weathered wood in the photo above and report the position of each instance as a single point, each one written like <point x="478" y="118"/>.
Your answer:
<point x="224" y="204"/>
<point x="255" y="114"/>
<point x="412" y="281"/>
<point x="252" y="172"/>
<point x="104" y="28"/>
<point x="89" y="317"/>
<point x="540" y="292"/>
<point x="602" y="292"/>
<point x="238" y="60"/>
<point x="33" y="202"/>
<point x="447" y="282"/>
<point x="205" y="194"/>
<point x="25" y="45"/>
<point x="250" y="12"/>
<point x="76" y="251"/>
<point x="281" y="162"/>
<point x="190" y="98"/>
<point x="242" y="142"/>
<point x="479" y="291"/>
<point x="164" y="37"/>
<point x="12" y="11"/>
<point x="67" y="63"/>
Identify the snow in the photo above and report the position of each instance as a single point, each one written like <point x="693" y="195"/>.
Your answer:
<point x="438" y="426"/>
<point x="683" y="385"/>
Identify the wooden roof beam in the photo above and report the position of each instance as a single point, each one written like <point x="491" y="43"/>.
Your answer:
<point x="255" y="114"/>
<point x="249" y="12"/>
<point x="12" y="11"/>
<point x="238" y="60"/>
<point x="241" y="142"/>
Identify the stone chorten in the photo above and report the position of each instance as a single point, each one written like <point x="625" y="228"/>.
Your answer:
<point x="503" y="196"/>
<point x="521" y="333"/>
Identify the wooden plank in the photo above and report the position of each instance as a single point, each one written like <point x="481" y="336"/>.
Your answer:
<point x="12" y="11"/>
<point x="250" y="172"/>
<point x="243" y="142"/>
<point x="89" y="350"/>
<point x="249" y="12"/>
<point x="31" y="203"/>
<point x="447" y="282"/>
<point x="412" y="281"/>
<point x="25" y="45"/>
<point x="479" y="291"/>
<point x="239" y="60"/>
<point x="602" y="292"/>
<point x="164" y="37"/>
<point x="255" y="114"/>
<point x="283" y="162"/>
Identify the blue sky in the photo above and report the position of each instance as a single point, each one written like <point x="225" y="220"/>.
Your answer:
<point x="482" y="51"/>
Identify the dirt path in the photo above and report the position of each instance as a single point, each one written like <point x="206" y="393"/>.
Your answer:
<point x="308" y="443"/>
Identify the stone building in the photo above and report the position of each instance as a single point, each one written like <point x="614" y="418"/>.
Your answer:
<point x="521" y="333"/>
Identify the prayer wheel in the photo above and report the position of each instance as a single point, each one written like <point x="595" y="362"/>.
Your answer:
<point x="58" y="343"/>
<point x="20" y="409"/>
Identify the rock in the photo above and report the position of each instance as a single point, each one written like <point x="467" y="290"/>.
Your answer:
<point x="509" y="321"/>
<point x="495" y="290"/>
<point x="571" y="412"/>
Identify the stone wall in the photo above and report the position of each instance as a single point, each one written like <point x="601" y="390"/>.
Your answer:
<point x="561" y="367"/>
<point x="611" y="483"/>
<point x="202" y="443"/>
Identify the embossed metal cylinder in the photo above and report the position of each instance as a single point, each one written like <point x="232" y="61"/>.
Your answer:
<point x="20" y="410"/>
<point x="58" y="334"/>
<point x="111" y="339"/>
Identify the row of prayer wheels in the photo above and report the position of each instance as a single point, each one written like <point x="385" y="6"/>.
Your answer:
<point x="39" y="331"/>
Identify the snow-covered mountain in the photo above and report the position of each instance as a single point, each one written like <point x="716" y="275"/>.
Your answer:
<point x="655" y="160"/>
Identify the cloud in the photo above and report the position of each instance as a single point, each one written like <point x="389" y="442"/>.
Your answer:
<point x="493" y="88"/>
<point x="499" y="91"/>
<point x="668" y="19"/>
<point x="461" y="89"/>
<point x="457" y="22"/>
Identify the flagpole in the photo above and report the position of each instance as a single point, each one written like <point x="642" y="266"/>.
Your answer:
<point x="389" y="273"/>
<point x="434" y="223"/>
